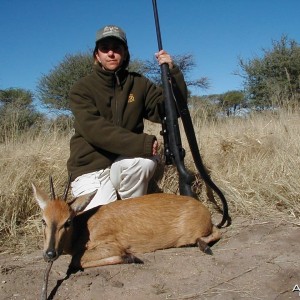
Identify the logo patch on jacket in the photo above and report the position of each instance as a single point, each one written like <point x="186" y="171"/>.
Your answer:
<point x="130" y="98"/>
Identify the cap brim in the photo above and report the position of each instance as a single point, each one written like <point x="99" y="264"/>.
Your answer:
<point x="112" y="37"/>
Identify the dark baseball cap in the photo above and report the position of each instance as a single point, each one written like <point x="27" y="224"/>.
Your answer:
<point x="111" y="31"/>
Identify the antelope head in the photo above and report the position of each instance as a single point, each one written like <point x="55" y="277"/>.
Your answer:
<point x="58" y="214"/>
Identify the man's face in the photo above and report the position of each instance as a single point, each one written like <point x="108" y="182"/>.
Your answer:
<point x="111" y="53"/>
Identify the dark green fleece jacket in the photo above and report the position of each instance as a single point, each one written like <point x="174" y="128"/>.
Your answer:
<point x="109" y="108"/>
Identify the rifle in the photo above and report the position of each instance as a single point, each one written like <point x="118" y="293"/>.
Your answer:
<point x="174" y="152"/>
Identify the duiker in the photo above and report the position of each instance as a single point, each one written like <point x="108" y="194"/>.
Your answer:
<point x="115" y="233"/>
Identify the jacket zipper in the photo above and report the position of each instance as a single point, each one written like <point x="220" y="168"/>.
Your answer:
<point x="116" y="102"/>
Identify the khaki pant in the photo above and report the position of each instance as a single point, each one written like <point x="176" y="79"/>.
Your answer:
<point x="127" y="177"/>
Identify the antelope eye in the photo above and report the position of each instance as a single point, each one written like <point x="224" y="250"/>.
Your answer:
<point x="68" y="223"/>
<point x="44" y="222"/>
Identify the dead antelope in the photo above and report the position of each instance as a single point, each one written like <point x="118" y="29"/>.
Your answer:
<point x="116" y="232"/>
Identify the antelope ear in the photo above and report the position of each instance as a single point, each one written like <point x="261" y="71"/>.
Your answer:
<point x="78" y="204"/>
<point x="40" y="196"/>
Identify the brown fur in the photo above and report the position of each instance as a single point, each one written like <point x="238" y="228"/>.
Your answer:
<point x="116" y="232"/>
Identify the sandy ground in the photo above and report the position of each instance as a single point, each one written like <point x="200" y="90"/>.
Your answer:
<point x="255" y="259"/>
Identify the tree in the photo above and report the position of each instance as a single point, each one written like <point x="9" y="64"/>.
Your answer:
<point x="17" y="97"/>
<point x="231" y="100"/>
<point x="17" y="113"/>
<point x="53" y="88"/>
<point x="138" y="66"/>
<point x="274" y="78"/>
<point x="185" y="63"/>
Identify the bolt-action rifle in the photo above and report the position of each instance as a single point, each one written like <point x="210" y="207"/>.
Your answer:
<point x="174" y="152"/>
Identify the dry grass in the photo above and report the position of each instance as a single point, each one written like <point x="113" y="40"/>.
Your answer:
<point x="254" y="161"/>
<point x="30" y="159"/>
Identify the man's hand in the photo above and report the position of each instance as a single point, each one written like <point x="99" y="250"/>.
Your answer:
<point x="163" y="57"/>
<point x="155" y="148"/>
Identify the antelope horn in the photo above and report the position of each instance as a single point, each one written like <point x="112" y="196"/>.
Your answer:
<point x="52" y="189"/>
<point x="67" y="188"/>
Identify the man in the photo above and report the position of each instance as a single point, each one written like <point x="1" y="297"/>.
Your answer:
<point x="109" y="151"/>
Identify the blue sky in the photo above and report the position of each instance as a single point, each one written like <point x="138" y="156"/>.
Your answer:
<point x="37" y="34"/>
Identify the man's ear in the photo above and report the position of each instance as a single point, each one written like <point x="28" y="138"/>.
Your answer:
<point x="97" y="57"/>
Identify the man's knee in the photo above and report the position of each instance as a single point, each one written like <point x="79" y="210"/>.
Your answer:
<point x="147" y="167"/>
<point x="132" y="171"/>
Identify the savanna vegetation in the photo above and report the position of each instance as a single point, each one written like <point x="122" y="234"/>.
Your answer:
<point x="253" y="159"/>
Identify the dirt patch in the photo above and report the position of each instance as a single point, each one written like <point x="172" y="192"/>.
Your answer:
<point x="255" y="259"/>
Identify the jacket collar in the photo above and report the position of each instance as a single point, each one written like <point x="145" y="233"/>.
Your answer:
<point x="112" y="78"/>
